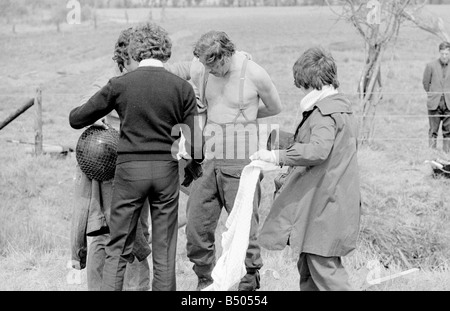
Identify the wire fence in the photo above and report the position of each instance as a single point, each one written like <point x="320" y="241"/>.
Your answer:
<point x="293" y="117"/>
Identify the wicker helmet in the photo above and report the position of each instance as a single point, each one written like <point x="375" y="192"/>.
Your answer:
<point x="96" y="152"/>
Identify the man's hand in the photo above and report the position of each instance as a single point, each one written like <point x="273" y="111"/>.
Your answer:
<point x="192" y="171"/>
<point x="266" y="155"/>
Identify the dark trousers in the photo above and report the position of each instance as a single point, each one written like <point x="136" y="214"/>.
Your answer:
<point x="441" y="114"/>
<point x="133" y="183"/>
<point x="217" y="188"/>
<point x="319" y="273"/>
<point x="137" y="274"/>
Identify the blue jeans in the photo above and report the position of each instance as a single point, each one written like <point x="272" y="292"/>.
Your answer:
<point x="216" y="188"/>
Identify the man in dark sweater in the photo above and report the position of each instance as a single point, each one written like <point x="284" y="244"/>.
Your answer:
<point x="151" y="103"/>
<point x="436" y="82"/>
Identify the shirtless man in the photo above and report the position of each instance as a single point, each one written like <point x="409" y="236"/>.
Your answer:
<point x="230" y="88"/>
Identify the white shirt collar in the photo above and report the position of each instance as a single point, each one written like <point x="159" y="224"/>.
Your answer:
<point x="314" y="96"/>
<point x="151" y="62"/>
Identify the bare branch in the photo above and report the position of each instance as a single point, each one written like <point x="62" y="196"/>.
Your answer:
<point x="340" y="16"/>
<point x="428" y="22"/>
<point x="377" y="37"/>
<point x="374" y="76"/>
<point x="334" y="11"/>
<point x="357" y="22"/>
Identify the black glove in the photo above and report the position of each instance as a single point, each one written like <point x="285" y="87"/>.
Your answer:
<point x="192" y="171"/>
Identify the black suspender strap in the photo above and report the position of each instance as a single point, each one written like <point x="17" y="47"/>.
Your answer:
<point x="241" y="91"/>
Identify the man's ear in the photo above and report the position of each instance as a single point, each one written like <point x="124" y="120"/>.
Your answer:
<point x="121" y="67"/>
<point x="131" y="64"/>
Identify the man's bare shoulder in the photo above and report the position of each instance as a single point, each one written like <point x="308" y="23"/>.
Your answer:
<point x="257" y="74"/>
<point x="197" y="71"/>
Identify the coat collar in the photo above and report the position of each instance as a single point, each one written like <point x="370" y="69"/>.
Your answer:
<point x="334" y="104"/>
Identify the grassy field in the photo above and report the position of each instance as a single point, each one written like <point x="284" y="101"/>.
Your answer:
<point x="406" y="213"/>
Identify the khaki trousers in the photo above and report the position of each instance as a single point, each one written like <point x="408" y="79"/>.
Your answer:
<point x="319" y="273"/>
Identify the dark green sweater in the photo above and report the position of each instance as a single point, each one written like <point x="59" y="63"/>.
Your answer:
<point x="150" y="102"/>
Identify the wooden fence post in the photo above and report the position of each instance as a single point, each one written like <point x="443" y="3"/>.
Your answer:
<point x="38" y="137"/>
<point x="16" y="113"/>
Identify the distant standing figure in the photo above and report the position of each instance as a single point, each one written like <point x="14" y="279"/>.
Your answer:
<point x="436" y="82"/>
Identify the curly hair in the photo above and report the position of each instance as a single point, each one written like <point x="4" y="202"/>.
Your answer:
<point x="214" y="46"/>
<point x="150" y="41"/>
<point x="121" y="48"/>
<point x="444" y="45"/>
<point x="315" y="68"/>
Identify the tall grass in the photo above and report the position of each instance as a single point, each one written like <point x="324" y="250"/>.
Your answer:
<point x="33" y="216"/>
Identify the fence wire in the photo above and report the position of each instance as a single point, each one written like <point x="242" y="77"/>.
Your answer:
<point x="76" y="97"/>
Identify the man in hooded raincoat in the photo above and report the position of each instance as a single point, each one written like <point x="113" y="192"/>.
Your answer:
<point x="316" y="209"/>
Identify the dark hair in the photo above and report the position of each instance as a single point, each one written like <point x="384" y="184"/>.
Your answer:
<point x="315" y="68"/>
<point x="121" y="48"/>
<point x="150" y="41"/>
<point x="214" y="46"/>
<point x="444" y="45"/>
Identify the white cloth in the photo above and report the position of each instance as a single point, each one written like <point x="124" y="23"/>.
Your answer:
<point x="314" y="96"/>
<point x="230" y="267"/>
<point x="182" y="153"/>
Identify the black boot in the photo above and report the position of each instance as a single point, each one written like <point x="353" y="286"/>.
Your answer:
<point x="203" y="283"/>
<point x="250" y="281"/>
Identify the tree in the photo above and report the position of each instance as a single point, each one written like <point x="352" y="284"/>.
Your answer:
<point x="378" y="22"/>
<point x="93" y="15"/>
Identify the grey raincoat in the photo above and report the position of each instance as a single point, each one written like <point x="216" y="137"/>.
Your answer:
<point x="317" y="209"/>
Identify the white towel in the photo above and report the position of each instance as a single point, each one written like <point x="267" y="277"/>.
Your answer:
<point x="230" y="267"/>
